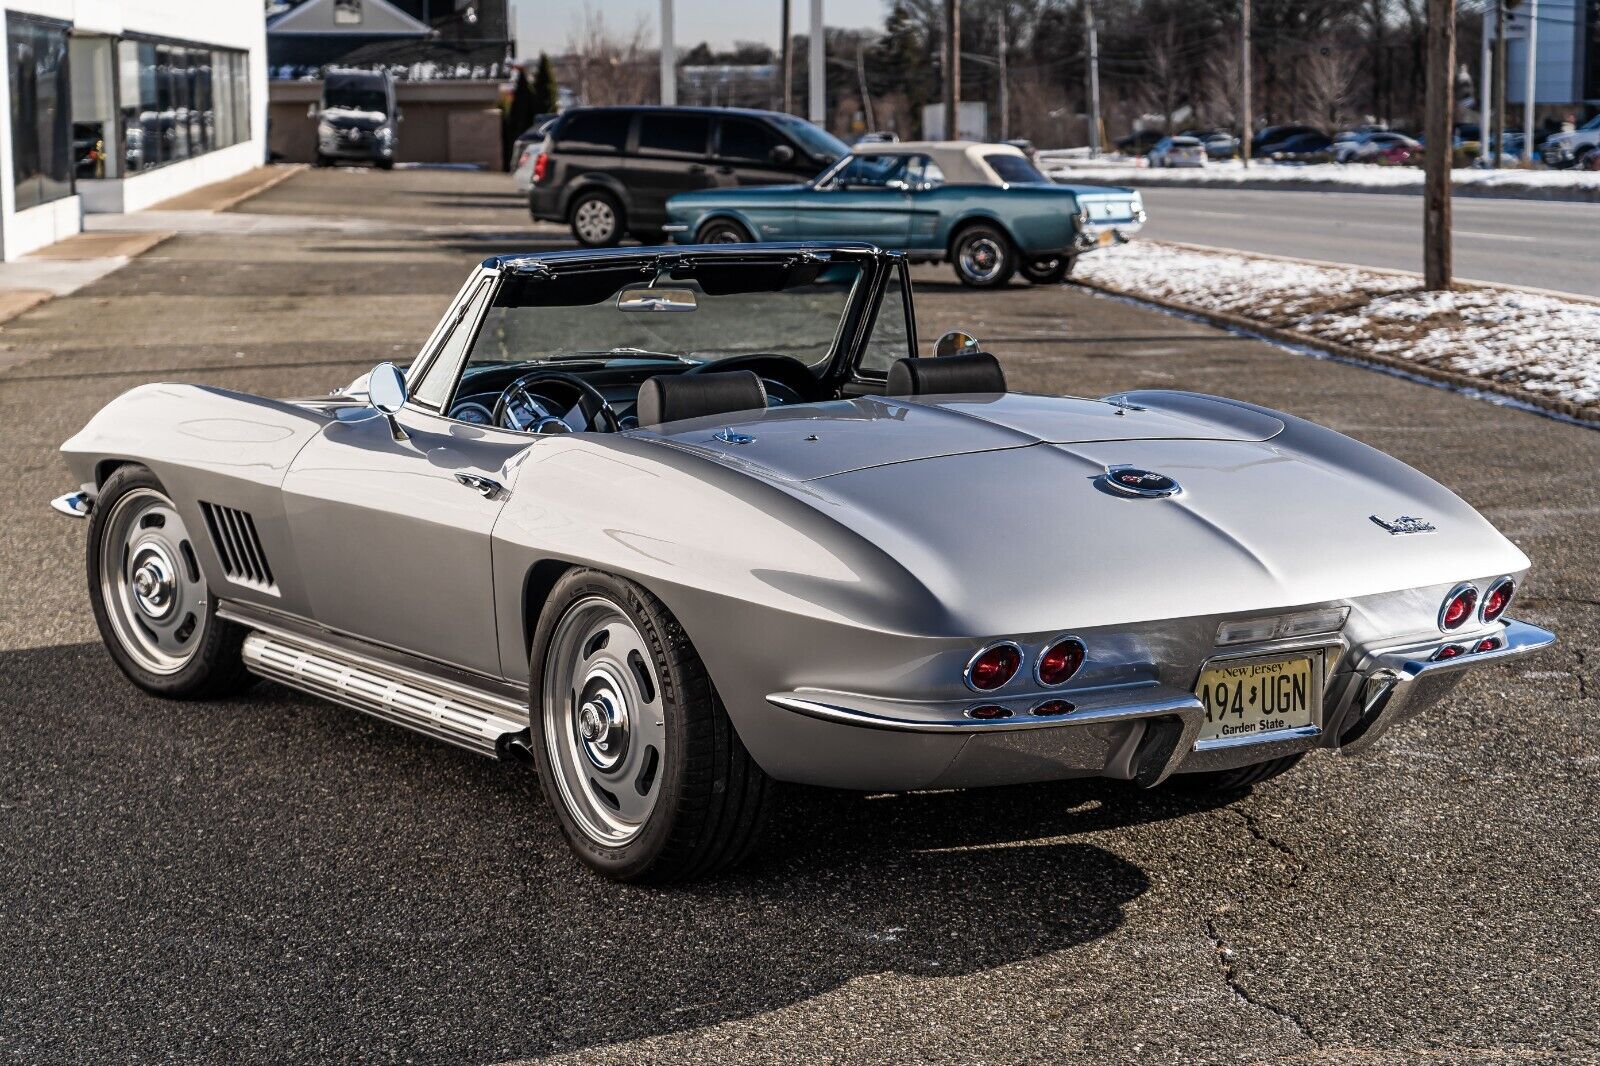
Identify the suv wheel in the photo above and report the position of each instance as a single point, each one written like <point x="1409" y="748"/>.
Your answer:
<point x="596" y="219"/>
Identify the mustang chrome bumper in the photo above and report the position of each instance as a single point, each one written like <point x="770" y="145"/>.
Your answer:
<point x="1140" y="732"/>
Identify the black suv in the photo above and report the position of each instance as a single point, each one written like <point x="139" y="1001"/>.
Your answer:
<point x="608" y="171"/>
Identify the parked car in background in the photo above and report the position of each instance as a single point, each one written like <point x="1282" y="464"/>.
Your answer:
<point x="1178" y="152"/>
<point x="608" y="171"/>
<point x="1303" y="148"/>
<point x="1220" y="145"/>
<point x="1269" y="137"/>
<point x="878" y="137"/>
<point x="1138" y="142"/>
<point x="525" y="151"/>
<point x="1367" y="147"/>
<point x="357" y="118"/>
<point x="984" y="208"/>
<point x="1565" y="149"/>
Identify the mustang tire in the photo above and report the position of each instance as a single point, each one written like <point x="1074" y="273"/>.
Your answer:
<point x="150" y="598"/>
<point x="722" y="231"/>
<point x="633" y="748"/>
<point x="1051" y="271"/>
<point x="983" y="256"/>
<point x="1235" y="780"/>
<point x="597" y="219"/>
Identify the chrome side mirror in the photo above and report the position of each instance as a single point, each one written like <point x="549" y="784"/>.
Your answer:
<point x="386" y="394"/>
<point x="954" y="343"/>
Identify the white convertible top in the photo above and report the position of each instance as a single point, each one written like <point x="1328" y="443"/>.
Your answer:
<point x="961" y="161"/>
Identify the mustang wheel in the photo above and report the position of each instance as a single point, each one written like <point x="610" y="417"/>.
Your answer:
<point x="150" y="598"/>
<point x="722" y="231"/>
<point x="596" y="219"/>
<point x="634" y="749"/>
<point x="1049" y="271"/>
<point x="1235" y="780"/>
<point x="983" y="257"/>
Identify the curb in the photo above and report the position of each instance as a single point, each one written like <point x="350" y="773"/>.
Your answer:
<point x="1474" y="190"/>
<point x="288" y="172"/>
<point x="1235" y="323"/>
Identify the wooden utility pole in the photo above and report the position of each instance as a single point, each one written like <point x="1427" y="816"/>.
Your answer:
<point x="1094" y="78"/>
<point x="788" y="69"/>
<point x="1246" y="119"/>
<point x="1005" y="88"/>
<point x="1437" y="131"/>
<point x="669" y="57"/>
<point x="952" y="69"/>
<point x="817" y="74"/>
<point x="1497" y="117"/>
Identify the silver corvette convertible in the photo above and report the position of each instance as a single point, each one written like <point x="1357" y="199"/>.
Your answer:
<point x="678" y="524"/>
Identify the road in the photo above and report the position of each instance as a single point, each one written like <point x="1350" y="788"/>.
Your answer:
<point x="1517" y="242"/>
<point x="273" y="879"/>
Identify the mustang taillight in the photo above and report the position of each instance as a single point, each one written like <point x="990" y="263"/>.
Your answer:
<point x="541" y="167"/>
<point x="994" y="666"/>
<point x="1449" y="651"/>
<point x="1060" y="661"/>
<point x="1458" y="607"/>
<point x="988" y="713"/>
<point x="1497" y="599"/>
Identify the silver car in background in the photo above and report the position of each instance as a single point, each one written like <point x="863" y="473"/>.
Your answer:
<point x="676" y="524"/>
<point x="1178" y="152"/>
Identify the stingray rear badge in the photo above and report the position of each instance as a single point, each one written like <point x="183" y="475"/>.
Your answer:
<point x="1405" y="524"/>
<point x="1131" y="481"/>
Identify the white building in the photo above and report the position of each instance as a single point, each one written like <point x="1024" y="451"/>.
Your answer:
<point x="114" y="105"/>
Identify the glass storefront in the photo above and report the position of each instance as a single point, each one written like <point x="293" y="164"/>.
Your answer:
<point x="180" y="101"/>
<point x="41" y="95"/>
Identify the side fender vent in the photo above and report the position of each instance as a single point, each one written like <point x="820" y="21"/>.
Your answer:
<point x="233" y="532"/>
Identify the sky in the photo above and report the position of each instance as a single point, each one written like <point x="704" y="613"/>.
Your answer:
<point x="544" y="25"/>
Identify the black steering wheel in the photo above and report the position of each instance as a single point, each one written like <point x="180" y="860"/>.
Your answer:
<point x="518" y="408"/>
<point x="785" y="371"/>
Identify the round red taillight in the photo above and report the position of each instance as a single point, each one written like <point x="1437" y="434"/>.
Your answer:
<point x="1487" y="644"/>
<point x="1060" y="661"/>
<point x="1052" y="707"/>
<point x="988" y="713"/>
<point x="1458" y="607"/>
<point x="1498" y="598"/>
<point x="994" y="666"/>
<point x="1449" y="651"/>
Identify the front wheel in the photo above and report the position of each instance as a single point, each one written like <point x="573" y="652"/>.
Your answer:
<point x="722" y="231"/>
<point x="1051" y="270"/>
<point x="150" y="599"/>
<point x="983" y="257"/>
<point x="634" y="750"/>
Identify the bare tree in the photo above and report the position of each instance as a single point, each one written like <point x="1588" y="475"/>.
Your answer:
<point x="1220" y="89"/>
<point x="1160" y="92"/>
<point x="1328" y="84"/>
<point x="609" y="66"/>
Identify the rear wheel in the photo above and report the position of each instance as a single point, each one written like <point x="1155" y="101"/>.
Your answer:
<point x="722" y="231"/>
<point x="983" y="256"/>
<point x="1049" y="271"/>
<point x="1236" y="780"/>
<point x="596" y="219"/>
<point x="634" y="750"/>
<point x="150" y="599"/>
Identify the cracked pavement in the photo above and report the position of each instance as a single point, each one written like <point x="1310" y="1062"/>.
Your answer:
<point x="273" y="879"/>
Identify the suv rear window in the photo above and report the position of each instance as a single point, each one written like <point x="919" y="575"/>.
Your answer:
<point x="677" y="134"/>
<point x="594" y="131"/>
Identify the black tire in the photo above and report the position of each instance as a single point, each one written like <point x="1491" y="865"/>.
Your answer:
<point x="321" y="161"/>
<point x="1050" y="271"/>
<point x="596" y="219"/>
<point x="211" y="663"/>
<point x="1238" y="779"/>
<point x="722" y="231"/>
<point x="713" y="799"/>
<point x="386" y="164"/>
<point x="983" y="256"/>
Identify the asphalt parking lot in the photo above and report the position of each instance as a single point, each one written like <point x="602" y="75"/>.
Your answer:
<point x="273" y="879"/>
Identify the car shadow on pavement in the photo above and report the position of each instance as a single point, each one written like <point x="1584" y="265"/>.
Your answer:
<point x="277" y="878"/>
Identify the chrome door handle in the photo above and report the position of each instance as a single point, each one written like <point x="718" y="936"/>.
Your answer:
<point x="487" y="487"/>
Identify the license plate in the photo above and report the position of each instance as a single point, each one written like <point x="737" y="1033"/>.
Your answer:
<point x="1247" y="698"/>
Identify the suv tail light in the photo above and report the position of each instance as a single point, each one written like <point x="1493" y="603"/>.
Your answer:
<point x="541" y="167"/>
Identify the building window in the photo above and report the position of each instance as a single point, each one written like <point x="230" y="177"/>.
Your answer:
<point x="41" y="119"/>
<point x="180" y="101"/>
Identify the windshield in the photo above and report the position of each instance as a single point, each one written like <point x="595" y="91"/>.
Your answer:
<point x="790" y="307"/>
<point x="819" y="142"/>
<point x="355" y="94"/>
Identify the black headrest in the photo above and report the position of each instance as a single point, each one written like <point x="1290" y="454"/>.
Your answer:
<point x="679" y="396"/>
<point x="949" y="374"/>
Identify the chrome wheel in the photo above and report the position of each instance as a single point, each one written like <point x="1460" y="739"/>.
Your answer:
<point x="155" y="596"/>
<point x="981" y="258"/>
<point x="595" y="221"/>
<point x="603" y="720"/>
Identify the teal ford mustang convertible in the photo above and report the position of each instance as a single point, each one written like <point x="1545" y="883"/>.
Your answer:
<point x="984" y="207"/>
